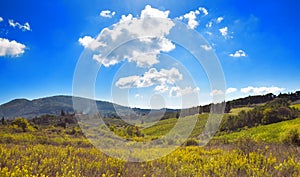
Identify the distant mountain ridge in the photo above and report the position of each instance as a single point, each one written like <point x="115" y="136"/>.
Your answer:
<point x="49" y="105"/>
<point x="53" y="105"/>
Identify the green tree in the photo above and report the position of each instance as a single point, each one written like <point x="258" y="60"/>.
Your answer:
<point x="21" y="123"/>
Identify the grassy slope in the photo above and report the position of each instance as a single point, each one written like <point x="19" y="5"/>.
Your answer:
<point x="297" y="106"/>
<point x="269" y="133"/>
<point x="235" y="111"/>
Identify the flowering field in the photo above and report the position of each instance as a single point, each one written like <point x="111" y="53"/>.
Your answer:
<point x="61" y="152"/>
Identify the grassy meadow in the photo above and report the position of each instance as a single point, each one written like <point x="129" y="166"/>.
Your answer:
<point x="57" y="151"/>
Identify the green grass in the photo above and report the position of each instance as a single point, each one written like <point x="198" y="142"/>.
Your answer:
<point x="164" y="126"/>
<point x="297" y="106"/>
<point x="272" y="133"/>
<point x="235" y="111"/>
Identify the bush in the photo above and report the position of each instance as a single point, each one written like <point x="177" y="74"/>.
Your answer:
<point x="21" y="123"/>
<point x="292" y="137"/>
<point x="191" y="142"/>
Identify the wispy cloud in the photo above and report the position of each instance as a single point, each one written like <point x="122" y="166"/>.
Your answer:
<point x="25" y="27"/>
<point x="11" y="48"/>
<point x="107" y="14"/>
<point x="206" y="47"/>
<point x="177" y="91"/>
<point x="261" y="90"/>
<point x="238" y="54"/>
<point x="216" y="92"/>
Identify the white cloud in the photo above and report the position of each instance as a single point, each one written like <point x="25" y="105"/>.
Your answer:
<point x="144" y="51"/>
<point x="177" y="91"/>
<point x="25" y="27"/>
<point x="216" y="92"/>
<point x="231" y="90"/>
<point x="209" y="24"/>
<point x="206" y="47"/>
<point x="90" y="43"/>
<point x="191" y="17"/>
<point x="154" y="13"/>
<point x="238" y="54"/>
<point x="1" y="19"/>
<point x="150" y="78"/>
<point x="224" y="31"/>
<point x="11" y="48"/>
<point x="161" y="88"/>
<point x="126" y="18"/>
<point x="261" y="90"/>
<point x="219" y="19"/>
<point x="107" y="13"/>
<point x="203" y="10"/>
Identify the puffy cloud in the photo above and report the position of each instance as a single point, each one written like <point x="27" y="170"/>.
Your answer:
<point x="90" y="43"/>
<point x="224" y="31"/>
<point x="126" y="18"/>
<point x="150" y="78"/>
<point x="144" y="39"/>
<point x="238" y="54"/>
<point x="206" y="47"/>
<point x="107" y="13"/>
<point x="231" y="90"/>
<point x="154" y="13"/>
<point x="203" y="10"/>
<point x="1" y="19"/>
<point x="219" y="19"/>
<point x="25" y="27"/>
<point x="261" y="90"/>
<point x="11" y="48"/>
<point x="177" y="91"/>
<point x="191" y="17"/>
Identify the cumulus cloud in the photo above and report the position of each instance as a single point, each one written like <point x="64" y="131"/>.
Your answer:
<point x="25" y="27"/>
<point x="150" y="78"/>
<point x="203" y="10"/>
<point x="90" y="43"/>
<point x="224" y="31"/>
<point x="238" y="54"/>
<point x="206" y="47"/>
<point x="231" y="90"/>
<point x="219" y="19"/>
<point x="109" y="47"/>
<point x="107" y="13"/>
<point x="11" y="48"/>
<point x="191" y="17"/>
<point x="177" y="91"/>
<point x="1" y="19"/>
<point x="154" y="13"/>
<point x="261" y="90"/>
<point x="126" y="18"/>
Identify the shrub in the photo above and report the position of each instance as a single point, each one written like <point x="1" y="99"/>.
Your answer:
<point x="21" y="123"/>
<point x="191" y="142"/>
<point x="292" y="137"/>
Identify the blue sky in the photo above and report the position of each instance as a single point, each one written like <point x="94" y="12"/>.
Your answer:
<point x="256" y="43"/>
